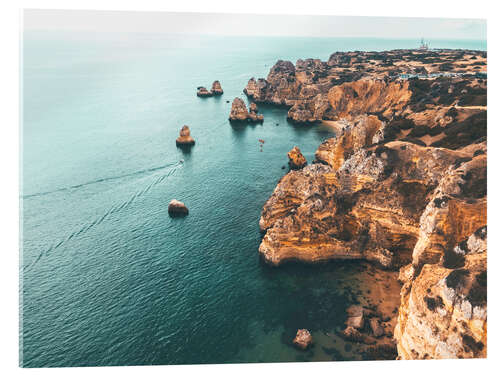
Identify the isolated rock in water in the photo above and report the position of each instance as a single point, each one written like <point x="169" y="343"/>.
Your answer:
<point x="253" y="107"/>
<point x="355" y="317"/>
<point x="239" y="112"/>
<point x="303" y="339"/>
<point x="177" y="208"/>
<point x="295" y="159"/>
<point x="216" y="88"/>
<point x="185" y="138"/>
<point x="203" y="92"/>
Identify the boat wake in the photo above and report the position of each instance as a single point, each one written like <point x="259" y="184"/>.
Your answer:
<point x="100" y="180"/>
<point x="113" y="210"/>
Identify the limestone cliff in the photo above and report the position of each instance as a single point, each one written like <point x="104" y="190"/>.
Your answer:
<point x="443" y="299"/>
<point x="368" y="208"/>
<point x="385" y="83"/>
<point x="402" y="185"/>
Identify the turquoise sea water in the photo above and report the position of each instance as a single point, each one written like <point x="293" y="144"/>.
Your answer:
<point x="107" y="277"/>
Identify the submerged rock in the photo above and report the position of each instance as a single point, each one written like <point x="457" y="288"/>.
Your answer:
<point x="177" y="208"/>
<point x="376" y="327"/>
<point x="185" y="138"/>
<point x="303" y="339"/>
<point x="295" y="159"/>
<point x="355" y="317"/>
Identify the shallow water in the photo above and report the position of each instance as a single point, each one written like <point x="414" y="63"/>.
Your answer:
<point x="108" y="278"/>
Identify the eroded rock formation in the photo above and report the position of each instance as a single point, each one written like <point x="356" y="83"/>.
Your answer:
<point x="303" y="339"/>
<point x="371" y="82"/>
<point x="295" y="159"/>
<point x="215" y="91"/>
<point x="402" y="185"/>
<point x="184" y="138"/>
<point x="203" y="92"/>
<point x="239" y="113"/>
<point x="216" y="88"/>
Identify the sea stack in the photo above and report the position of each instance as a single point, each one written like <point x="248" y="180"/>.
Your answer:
<point x="177" y="208"/>
<point x="239" y="113"/>
<point x="184" y="138"/>
<point x="295" y="159"/>
<point x="253" y="107"/>
<point x="303" y="339"/>
<point x="203" y="92"/>
<point x="216" y="89"/>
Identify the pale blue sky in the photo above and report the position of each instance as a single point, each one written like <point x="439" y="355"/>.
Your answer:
<point x="251" y="24"/>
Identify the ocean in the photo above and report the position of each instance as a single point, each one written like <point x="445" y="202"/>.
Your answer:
<point x="107" y="277"/>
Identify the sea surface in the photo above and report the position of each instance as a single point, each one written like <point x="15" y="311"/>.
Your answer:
<point x="107" y="277"/>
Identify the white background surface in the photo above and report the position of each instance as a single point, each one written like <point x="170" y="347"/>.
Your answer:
<point x="10" y="23"/>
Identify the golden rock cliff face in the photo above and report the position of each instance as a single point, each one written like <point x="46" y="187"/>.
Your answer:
<point x="398" y="205"/>
<point x="443" y="299"/>
<point x="443" y="309"/>
<point x="363" y="131"/>
<point x="402" y="185"/>
<point x="368" y="96"/>
<point x="351" y="83"/>
<point x="369" y="208"/>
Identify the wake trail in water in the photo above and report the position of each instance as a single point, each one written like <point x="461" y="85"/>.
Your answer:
<point x="100" y="180"/>
<point x="115" y="209"/>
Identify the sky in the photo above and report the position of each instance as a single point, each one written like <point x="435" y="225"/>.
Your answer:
<point x="255" y="25"/>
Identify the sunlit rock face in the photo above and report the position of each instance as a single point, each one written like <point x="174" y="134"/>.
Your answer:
<point x="303" y="340"/>
<point x="443" y="299"/>
<point x="240" y="113"/>
<point x="369" y="208"/>
<point x="443" y="309"/>
<point x="352" y="83"/>
<point x="216" y="89"/>
<point x="185" y="138"/>
<point x="295" y="159"/>
<point x="363" y="131"/>
<point x="402" y="185"/>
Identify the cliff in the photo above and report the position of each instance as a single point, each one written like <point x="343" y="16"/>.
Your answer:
<point x="402" y="185"/>
<point x="369" y="82"/>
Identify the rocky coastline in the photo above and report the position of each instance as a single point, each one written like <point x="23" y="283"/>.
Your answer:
<point x="402" y="186"/>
